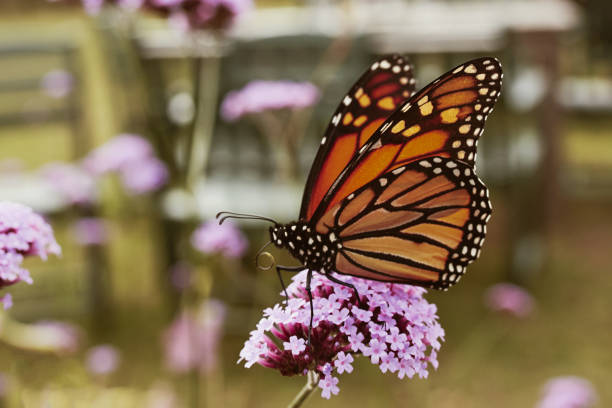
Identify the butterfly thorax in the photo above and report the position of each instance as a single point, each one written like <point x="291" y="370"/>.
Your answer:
<point x="314" y="250"/>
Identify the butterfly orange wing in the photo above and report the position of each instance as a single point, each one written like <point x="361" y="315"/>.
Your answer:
<point x="379" y="91"/>
<point x="421" y="223"/>
<point x="446" y="119"/>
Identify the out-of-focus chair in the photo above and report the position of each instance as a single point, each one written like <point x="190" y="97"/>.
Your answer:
<point x="40" y="92"/>
<point x="39" y="86"/>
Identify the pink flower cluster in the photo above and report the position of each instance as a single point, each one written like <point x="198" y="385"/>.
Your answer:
<point x="192" y="340"/>
<point x="227" y="239"/>
<point x="568" y="392"/>
<point x="258" y="96"/>
<point x="509" y="298"/>
<point x="392" y="325"/>
<point x="201" y="14"/>
<point x="102" y="359"/>
<point x="90" y="231"/>
<point x="132" y="157"/>
<point x="22" y="233"/>
<point x="185" y="14"/>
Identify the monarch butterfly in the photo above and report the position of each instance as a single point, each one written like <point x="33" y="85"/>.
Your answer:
<point x="392" y="194"/>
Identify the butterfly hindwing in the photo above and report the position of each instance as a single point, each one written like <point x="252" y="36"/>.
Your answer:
<point x="421" y="223"/>
<point x="379" y="91"/>
<point x="444" y="119"/>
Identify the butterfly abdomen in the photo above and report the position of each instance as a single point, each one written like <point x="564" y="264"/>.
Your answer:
<point x="314" y="250"/>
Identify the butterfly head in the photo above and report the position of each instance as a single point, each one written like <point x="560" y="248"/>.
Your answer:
<point x="283" y="235"/>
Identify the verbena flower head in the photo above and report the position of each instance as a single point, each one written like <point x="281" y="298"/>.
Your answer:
<point x="118" y="152"/>
<point x="90" y="231"/>
<point x="192" y="341"/>
<point x="201" y="14"/>
<point x="568" y="392"/>
<point x="92" y="6"/>
<point x="133" y="158"/>
<point x="103" y="359"/>
<point x="227" y="239"/>
<point x="393" y="326"/>
<point x="509" y="298"/>
<point x="71" y="181"/>
<point x="258" y="96"/>
<point x="144" y="176"/>
<point x="22" y="233"/>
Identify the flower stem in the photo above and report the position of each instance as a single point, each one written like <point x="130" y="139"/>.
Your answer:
<point x="311" y="384"/>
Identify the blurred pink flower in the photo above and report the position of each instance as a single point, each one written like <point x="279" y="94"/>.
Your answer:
<point x="6" y="301"/>
<point x="509" y="298"/>
<point x="201" y="14"/>
<point x="22" y="233"/>
<point x="55" y="336"/>
<point x="118" y="152"/>
<point x="181" y="275"/>
<point x="227" y="239"/>
<point x="57" y="83"/>
<point x="90" y="231"/>
<point x="393" y="325"/>
<point x="131" y="156"/>
<point x="144" y="176"/>
<point x="166" y="3"/>
<point x="102" y="360"/>
<point x="567" y="392"/>
<point x="192" y="340"/>
<point x="92" y="6"/>
<point x="71" y="181"/>
<point x="197" y="14"/>
<point x="258" y="96"/>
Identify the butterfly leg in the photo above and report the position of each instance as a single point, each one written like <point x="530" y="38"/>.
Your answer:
<point x="348" y="285"/>
<point x="308" y="280"/>
<point x="280" y="268"/>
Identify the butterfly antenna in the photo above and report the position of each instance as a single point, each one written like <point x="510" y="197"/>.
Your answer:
<point x="224" y="215"/>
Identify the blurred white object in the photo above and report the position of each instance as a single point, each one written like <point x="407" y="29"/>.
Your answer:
<point x="32" y="190"/>
<point x="525" y="151"/>
<point x="280" y="201"/>
<point x="527" y="89"/>
<point x="181" y="108"/>
<point x="586" y="93"/>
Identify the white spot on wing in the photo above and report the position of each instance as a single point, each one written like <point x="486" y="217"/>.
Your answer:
<point x="471" y="69"/>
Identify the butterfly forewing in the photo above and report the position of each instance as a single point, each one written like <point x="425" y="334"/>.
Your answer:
<point x="421" y="223"/>
<point x="445" y="119"/>
<point x="379" y="91"/>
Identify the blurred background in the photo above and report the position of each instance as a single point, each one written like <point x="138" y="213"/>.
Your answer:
<point x="129" y="125"/>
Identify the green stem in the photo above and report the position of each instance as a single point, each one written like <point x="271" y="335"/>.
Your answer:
<point x="206" y="92"/>
<point x="311" y="384"/>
